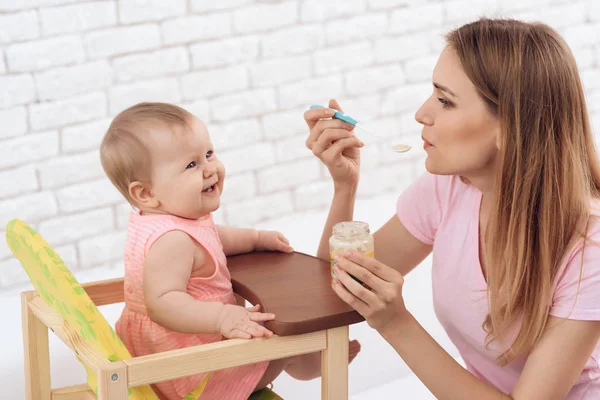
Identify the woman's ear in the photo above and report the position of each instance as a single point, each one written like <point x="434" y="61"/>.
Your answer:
<point x="142" y="196"/>
<point x="497" y="135"/>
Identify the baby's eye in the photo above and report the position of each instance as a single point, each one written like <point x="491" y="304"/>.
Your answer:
<point x="209" y="153"/>
<point x="191" y="165"/>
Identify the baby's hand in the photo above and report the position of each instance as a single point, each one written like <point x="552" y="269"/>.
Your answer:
<point x="239" y="322"/>
<point x="273" y="241"/>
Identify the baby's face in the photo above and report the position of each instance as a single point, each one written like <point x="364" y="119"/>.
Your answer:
<point x="187" y="178"/>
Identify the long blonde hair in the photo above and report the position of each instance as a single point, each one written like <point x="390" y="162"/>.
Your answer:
<point x="548" y="167"/>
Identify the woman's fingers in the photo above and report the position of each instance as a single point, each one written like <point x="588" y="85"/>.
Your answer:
<point x="323" y="126"/>
<point x="333" y="103"/>
<point x="376" y="268"/>
<point x="314" y="115"/>
<point x="330" y="155"/>
<point x="367" y="296"/>
<point x="356" y="267"/>
<point x="381" y="279"/>
<point x="349" y="298"/>
<point x="327" y="138"/>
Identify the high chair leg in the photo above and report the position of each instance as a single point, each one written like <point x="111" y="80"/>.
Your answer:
<point x="334" y="365"/>
<point x="112" y="381"/>
<point x="37" y="353"/>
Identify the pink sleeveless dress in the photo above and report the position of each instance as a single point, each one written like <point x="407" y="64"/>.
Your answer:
<point x="141" y="336"/>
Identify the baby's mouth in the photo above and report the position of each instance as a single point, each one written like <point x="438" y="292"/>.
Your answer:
<point x="210" y="189"/>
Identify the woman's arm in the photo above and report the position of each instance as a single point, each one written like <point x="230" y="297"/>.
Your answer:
<point x="551" y="369"/>
<point x="397" y="247"/>
<point x="334" y="143"/>
<point x="342" y="209"/>
<point x="557" y="361"/>
<point x="442" y="375"/>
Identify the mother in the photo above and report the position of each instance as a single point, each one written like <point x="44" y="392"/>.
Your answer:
<point x="509" y="208"/>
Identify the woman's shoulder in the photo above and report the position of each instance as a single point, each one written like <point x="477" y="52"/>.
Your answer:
<point x="577" y="285"/>
<point x="592" y="224"/>
<point x="586" y="247"/>
<point x="592" y="235"/>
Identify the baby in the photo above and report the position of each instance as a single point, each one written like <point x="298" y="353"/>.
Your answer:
<point x="177" y="286"/>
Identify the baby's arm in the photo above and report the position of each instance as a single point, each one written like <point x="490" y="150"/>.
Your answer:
<point x="167" y="270"/>
<point x="244" y="240"/>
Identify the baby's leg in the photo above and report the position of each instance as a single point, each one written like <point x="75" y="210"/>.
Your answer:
<point x="308" y="366"/>
<point x="275" y="368"/>
<point x="303" y="367"/>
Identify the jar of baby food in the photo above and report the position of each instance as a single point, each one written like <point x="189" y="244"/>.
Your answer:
<point x="351" y="235"/>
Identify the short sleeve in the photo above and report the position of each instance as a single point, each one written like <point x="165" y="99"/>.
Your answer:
<point x="577" y="294"/>
<point x="419" y="208"/>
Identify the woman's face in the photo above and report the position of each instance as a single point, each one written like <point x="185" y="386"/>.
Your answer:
<point x="460" y="134"/>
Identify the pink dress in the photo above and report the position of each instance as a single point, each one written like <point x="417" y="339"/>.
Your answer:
<point x="444" y="212"/>
<point x="141" y="336"/>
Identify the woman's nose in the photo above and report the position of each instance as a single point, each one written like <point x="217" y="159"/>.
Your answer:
<point x="423" y="116"/>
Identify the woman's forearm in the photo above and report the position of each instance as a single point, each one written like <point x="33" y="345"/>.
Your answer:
<point x="342" y="209"/>
<point x="442" y="375"/>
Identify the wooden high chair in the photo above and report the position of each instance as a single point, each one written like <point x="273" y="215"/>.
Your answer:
<point x="309" y="318"/>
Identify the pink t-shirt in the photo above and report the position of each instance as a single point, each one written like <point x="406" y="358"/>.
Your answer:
<point x="444" y="212"/>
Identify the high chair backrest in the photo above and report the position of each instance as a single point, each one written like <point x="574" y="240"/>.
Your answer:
<point x="60" y="290"/>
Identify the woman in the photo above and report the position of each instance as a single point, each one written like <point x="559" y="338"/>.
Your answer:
<point x="509" y="208"/>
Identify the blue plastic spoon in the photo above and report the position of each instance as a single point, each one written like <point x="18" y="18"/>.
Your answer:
<point x="399" y="148"/>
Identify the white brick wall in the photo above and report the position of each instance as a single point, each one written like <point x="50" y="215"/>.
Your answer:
<point x="77" y="17"/>
<point x="16" y="89"/>
<point x="66" y="82"/>
<point x="44" y="53"/>
<point x="13" y="121"/>
<point x="249" y="69"/>
<point x="19" y="27"/>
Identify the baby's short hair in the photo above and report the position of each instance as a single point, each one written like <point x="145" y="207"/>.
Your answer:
<point x="124" y="154"/>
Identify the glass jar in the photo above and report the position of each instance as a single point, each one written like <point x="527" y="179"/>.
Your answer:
<point x="350" y="235"/>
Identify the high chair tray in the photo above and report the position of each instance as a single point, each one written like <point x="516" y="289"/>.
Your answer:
<point x="295" y="287"/>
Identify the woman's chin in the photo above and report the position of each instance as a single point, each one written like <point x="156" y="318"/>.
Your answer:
<point x="430" y="166"/>
<point x="436" y="169"/>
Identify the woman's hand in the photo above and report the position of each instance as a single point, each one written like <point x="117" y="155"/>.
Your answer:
<point x="333" y="141"/>
<point x="381" y="302"/>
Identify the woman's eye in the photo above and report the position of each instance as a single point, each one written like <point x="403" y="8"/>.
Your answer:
<point x="209" y="153"/>
<point x="191" y="165"/>
<point x="445" y="103"/>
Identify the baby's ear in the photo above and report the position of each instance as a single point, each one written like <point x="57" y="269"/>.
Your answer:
<point x="142" y="196"/>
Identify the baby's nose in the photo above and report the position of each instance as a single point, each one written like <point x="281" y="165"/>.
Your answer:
<point x="209" y="171"/>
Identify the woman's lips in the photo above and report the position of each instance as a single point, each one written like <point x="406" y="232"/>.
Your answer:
<point x="426" y="144"/>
